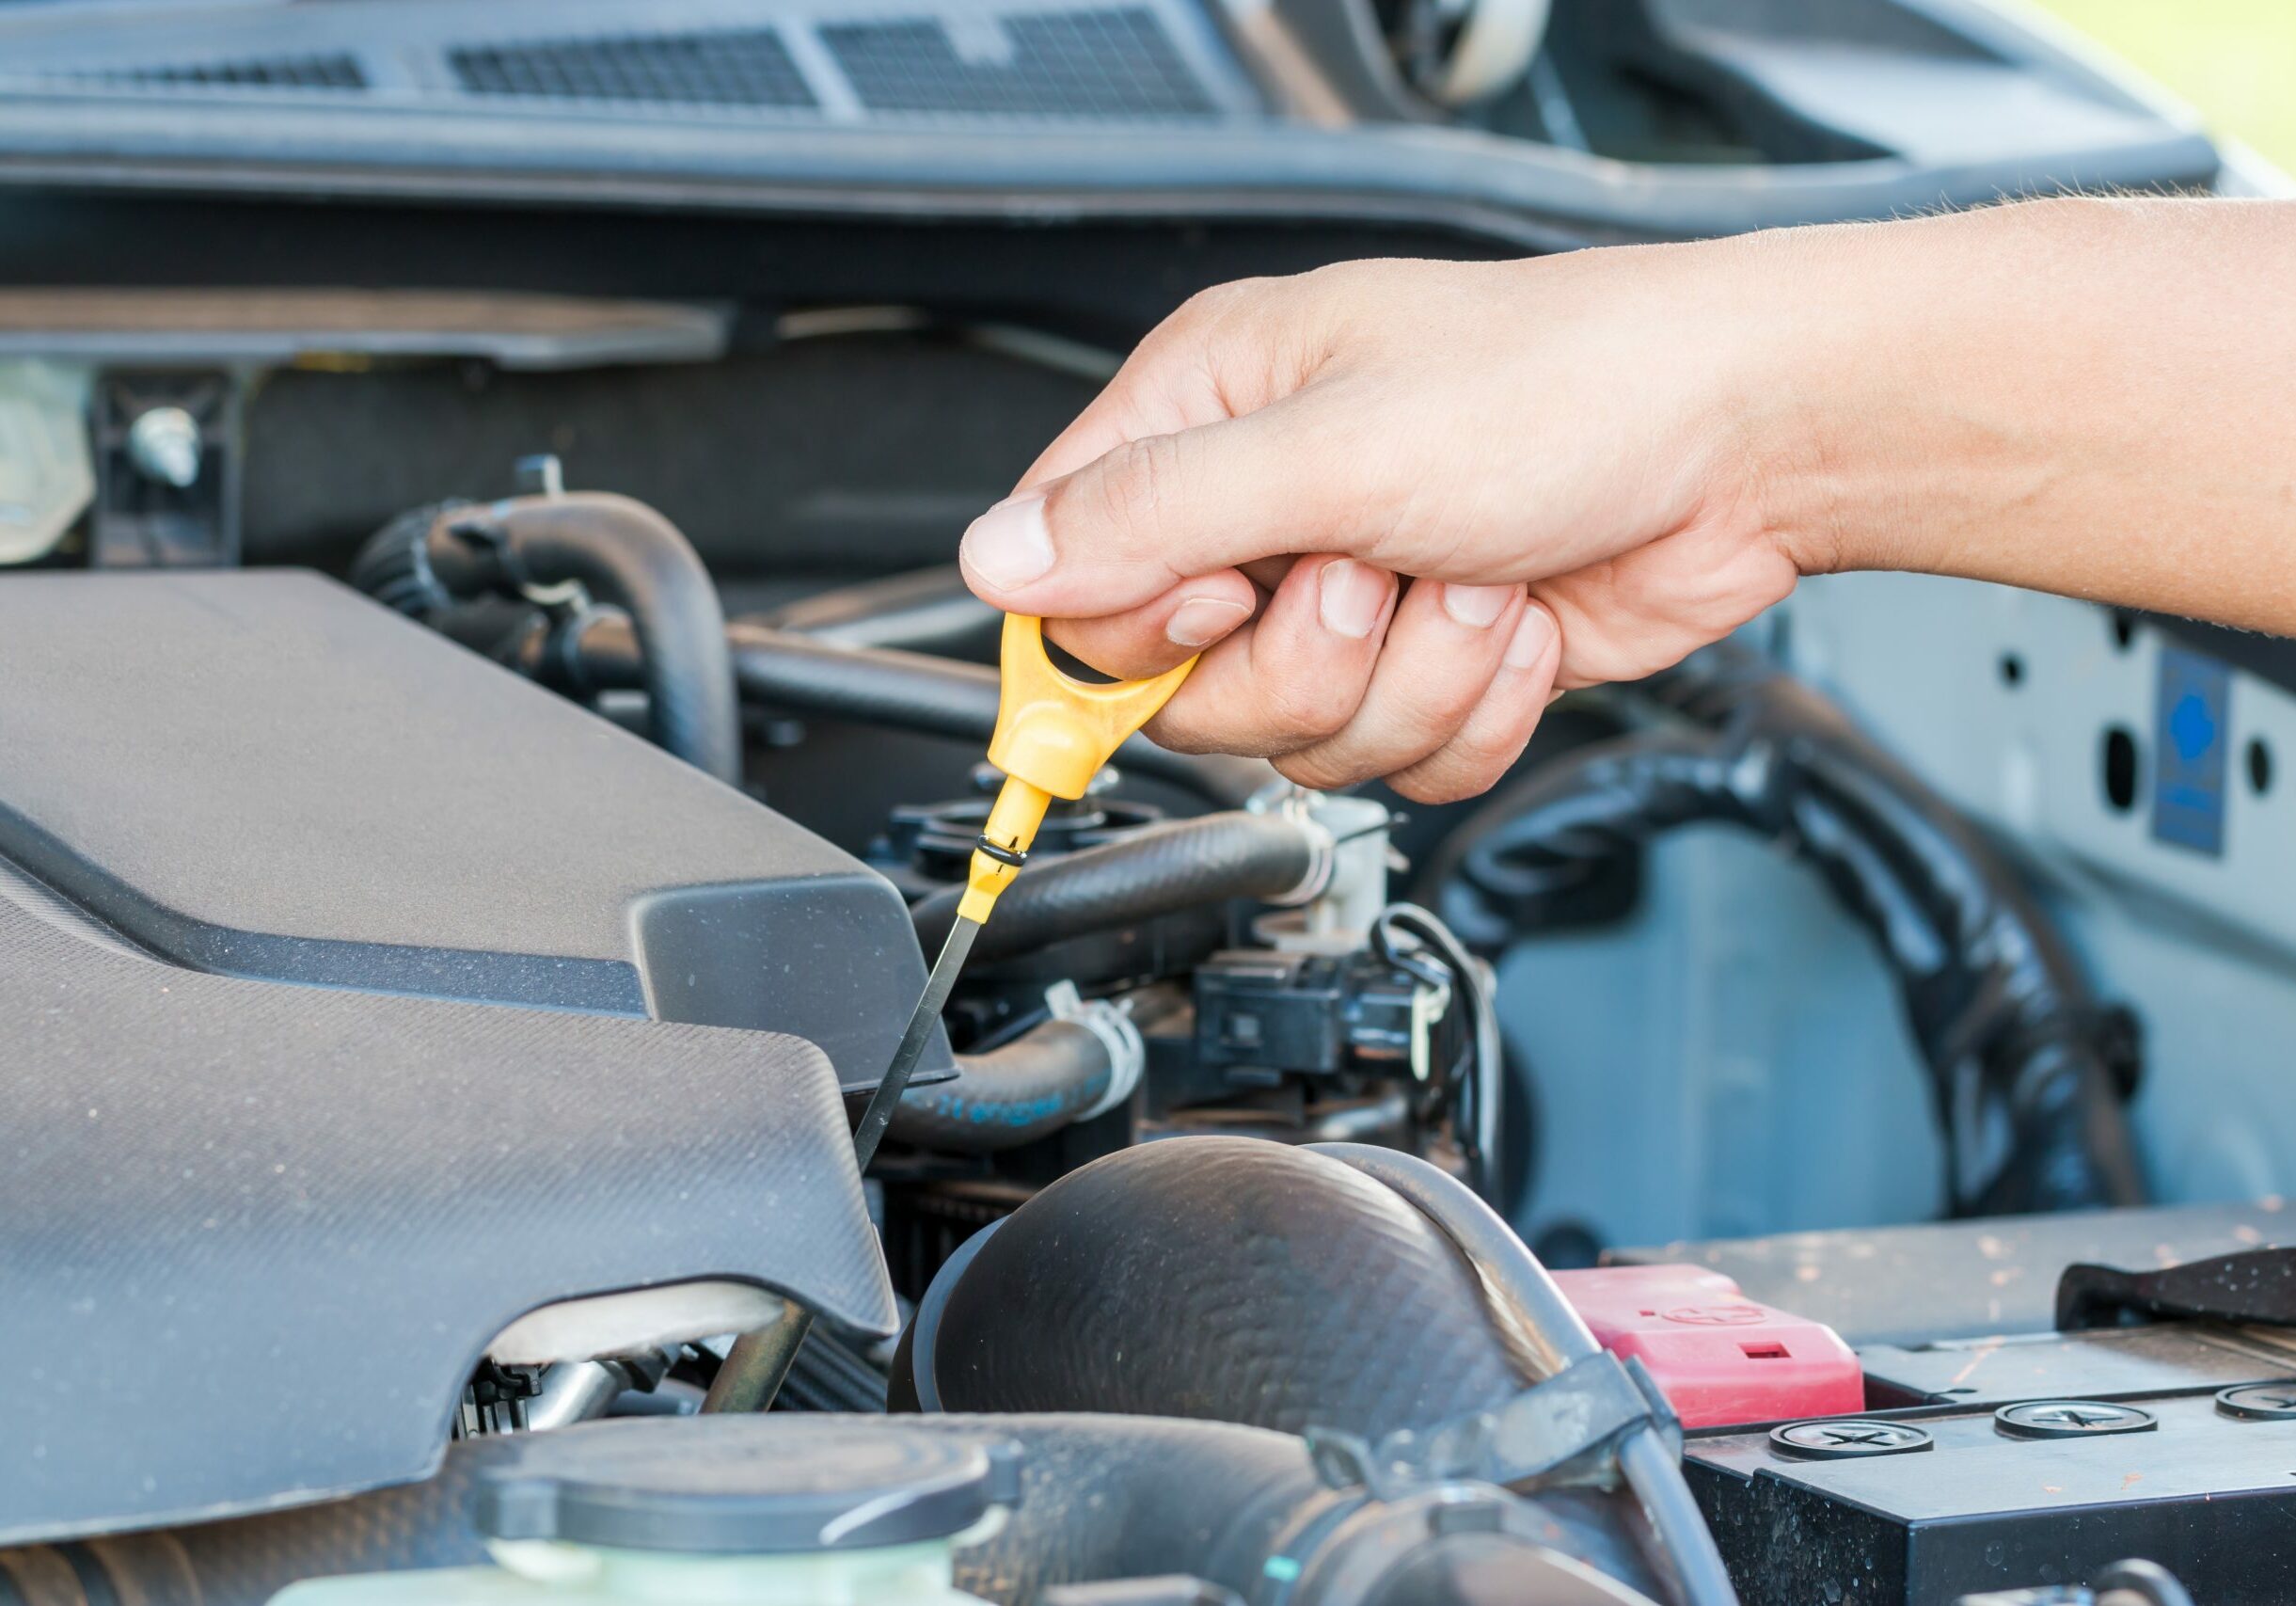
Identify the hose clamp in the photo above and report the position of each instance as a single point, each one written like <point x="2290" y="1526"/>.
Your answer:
<point x="1113" y="1024"/>
<point x="1565" y="1432"/>
<point x="1296" y="806"/>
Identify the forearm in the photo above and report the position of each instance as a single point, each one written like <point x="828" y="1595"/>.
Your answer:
<point x="2092" y="398"/>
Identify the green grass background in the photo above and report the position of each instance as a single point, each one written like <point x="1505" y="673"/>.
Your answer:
<point x="2234" y="60"/>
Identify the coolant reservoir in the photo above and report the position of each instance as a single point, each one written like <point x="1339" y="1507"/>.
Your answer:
<point x="715" y="1511"/>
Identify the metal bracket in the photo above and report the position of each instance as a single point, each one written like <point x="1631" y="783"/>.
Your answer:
<point x="1563" y="1433"/>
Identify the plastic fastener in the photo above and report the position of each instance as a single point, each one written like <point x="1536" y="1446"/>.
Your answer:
<point x="1719" y="1357"/>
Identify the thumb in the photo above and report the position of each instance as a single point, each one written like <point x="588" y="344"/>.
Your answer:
<point x="1126" y="527"/>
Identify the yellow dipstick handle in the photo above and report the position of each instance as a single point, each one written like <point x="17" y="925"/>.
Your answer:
<point x="1053" y="733"/>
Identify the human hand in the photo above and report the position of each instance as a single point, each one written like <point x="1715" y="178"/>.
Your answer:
<point x="1587" y="465"/>
<point x="1398" y="505"/>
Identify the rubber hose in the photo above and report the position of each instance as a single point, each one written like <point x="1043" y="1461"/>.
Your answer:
<point x="1027" y="1089"/>
<point x="1101" y="1497"/>
<point x="1240" y="1280"/>
<point x="2014" y="1039"/>
<point x="1683" y="1545"/>
<point x="622" y="553"/>
<point x="925" y="611"/>
<point x="796" y="673"/>
<point x="1159" y="869"/>
<point x="626" y="554"/>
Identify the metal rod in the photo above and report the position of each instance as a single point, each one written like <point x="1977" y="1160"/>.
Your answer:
<point x="879" y="1115"/>
<point x="756" y="1367"/>
<point x="572" y="1391"/>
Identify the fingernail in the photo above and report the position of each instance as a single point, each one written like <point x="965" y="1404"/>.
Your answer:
<point x="1477" y="607"/>
<point x="1202" y="620"/>
<point x="1350" y="597"/>
<point x="1534" y="632"/>
<point x="1009" y="545"/>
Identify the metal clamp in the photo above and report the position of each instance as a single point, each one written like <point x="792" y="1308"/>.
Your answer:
<point x="1563" y="1433"/>
<point x="1112" y="1022"/>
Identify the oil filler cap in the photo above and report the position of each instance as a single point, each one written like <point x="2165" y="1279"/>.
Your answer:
<point x="743" y="1484"/>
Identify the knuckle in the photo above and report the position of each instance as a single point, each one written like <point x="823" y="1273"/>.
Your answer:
<point x="1317" y="771"/>
<point x="1449" y="700"/>
<point x="1484" y="758"/>
<point x="1427" y="786"/>
<point x="1196" y="724"/>
<point x="1139" y="479"/>
<point x="1306" y="708"/>
<point x="1176" y="733"/>
<point x="1219" y="300"/>
<point x="1468" y="764"/>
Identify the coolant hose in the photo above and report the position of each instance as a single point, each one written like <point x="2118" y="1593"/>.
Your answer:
<point x="2027" y="1068"/>
<point x="1101" y="1498"/>
<point x="622" y="553"/>
<point x="1159" y="869"/>
<point x="1041" y="1081"/>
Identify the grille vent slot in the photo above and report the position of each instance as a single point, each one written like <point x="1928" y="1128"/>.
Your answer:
<point x="330" y="71"/>
<point x="1114" y="63"/>
<point x="746" y="67"/>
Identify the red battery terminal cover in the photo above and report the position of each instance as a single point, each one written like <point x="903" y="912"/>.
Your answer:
<point x="1719" y="1357"/>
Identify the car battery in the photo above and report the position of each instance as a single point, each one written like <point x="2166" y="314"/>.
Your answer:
<point x="1718" y="1357"/>
<point x="2051" y="1457"/>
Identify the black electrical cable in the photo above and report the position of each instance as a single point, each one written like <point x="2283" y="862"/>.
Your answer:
<point x="2028" y="1070"/>
<point x="1483" y="1084"/>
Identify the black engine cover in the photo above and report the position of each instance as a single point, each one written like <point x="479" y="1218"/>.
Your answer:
<point x="256" y="1227"/>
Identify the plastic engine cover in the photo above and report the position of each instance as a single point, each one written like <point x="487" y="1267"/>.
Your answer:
<point x="256" y="1227"/>
<point x="265" y="774"/>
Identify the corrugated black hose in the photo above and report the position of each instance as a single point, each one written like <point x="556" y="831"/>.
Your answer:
<point x="622" y="553"/>
<point x="2029" y="1071"/>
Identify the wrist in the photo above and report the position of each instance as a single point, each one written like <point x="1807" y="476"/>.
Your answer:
<point x="1905" y="392"/>
<point x="2026" y="393"/>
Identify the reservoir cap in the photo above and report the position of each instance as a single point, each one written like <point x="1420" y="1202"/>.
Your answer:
<point x="744" y="1485"/>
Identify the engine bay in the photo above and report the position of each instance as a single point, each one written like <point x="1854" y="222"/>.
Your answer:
<point x="492" y="732"/>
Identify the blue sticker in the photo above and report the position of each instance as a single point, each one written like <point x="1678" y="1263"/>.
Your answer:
<point x="2188" y="794"/>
